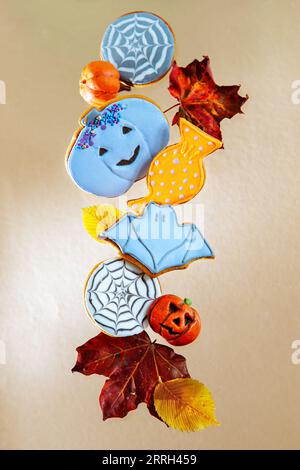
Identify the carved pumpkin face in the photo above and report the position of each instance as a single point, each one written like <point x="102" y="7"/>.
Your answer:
<point x="174" y="319"/>
<point x="116" y="145"/>
<point x="99" y="82"/>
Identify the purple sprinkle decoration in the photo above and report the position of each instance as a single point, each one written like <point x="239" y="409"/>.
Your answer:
<point x="110" y="116"/>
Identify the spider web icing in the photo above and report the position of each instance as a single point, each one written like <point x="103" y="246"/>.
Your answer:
<point x="140" y="45"/>
<point x="118" y="296"/>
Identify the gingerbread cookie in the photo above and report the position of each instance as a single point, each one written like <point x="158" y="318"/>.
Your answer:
<point x="118" y="295"/>
<point x="115" y="145"/>
<point x="156" y="241"/>
<point x="140" y="45"/>
<point x="177" y="173"/>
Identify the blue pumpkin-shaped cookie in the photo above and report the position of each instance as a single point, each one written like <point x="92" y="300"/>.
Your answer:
<point x="115" y="145"/>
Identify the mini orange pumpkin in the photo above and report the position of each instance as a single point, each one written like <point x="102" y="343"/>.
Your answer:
<point x="174" y="319"/>
<point x="99" y="82"/>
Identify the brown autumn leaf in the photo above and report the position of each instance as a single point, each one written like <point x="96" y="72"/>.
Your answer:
<point x="202" y="101"/>
<point x="134" y="366"/>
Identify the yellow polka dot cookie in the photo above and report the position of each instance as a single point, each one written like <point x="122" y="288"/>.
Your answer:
<point x="177" y="173"/>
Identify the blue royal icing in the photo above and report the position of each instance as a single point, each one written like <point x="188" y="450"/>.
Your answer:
<point x="140" y="45"/>
<point x="157" y="240"/>
<point x="110" y="117"/>
<point x="116" y="146"/>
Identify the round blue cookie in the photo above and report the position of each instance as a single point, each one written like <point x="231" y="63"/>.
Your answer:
<point x="116" y="145"/>
<point x="140" y="45"/>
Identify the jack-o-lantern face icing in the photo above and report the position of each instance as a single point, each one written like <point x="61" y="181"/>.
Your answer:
<point x="174" y="319"/>
<point x="116" y="145"/>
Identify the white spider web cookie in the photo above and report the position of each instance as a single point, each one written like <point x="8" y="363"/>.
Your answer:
<point x="118" y="295"/>
<point x="140" y="45"/>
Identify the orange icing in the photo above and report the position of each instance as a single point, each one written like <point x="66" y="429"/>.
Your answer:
<point x="177" y="173"/>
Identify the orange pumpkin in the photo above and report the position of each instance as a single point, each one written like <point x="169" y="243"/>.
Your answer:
<point x="99" y="82"/>
<point x="174" y="319"/>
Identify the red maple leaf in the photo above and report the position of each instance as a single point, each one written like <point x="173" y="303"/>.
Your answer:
<point x="202" y="101"/>
<point x="134" y="366"/>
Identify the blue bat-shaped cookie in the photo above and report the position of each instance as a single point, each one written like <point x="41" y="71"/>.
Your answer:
<point x="157" y="241"/>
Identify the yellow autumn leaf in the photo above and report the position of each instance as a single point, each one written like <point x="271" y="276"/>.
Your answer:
<point x="185" y="404"/>
<point x="96" y="219"/>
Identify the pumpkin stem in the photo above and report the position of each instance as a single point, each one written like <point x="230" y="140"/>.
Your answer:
<point x="124" y="86"/>
<point x="188" y="301"/>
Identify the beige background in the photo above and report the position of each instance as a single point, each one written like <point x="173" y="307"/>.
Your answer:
<point x="248" y="296"/>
